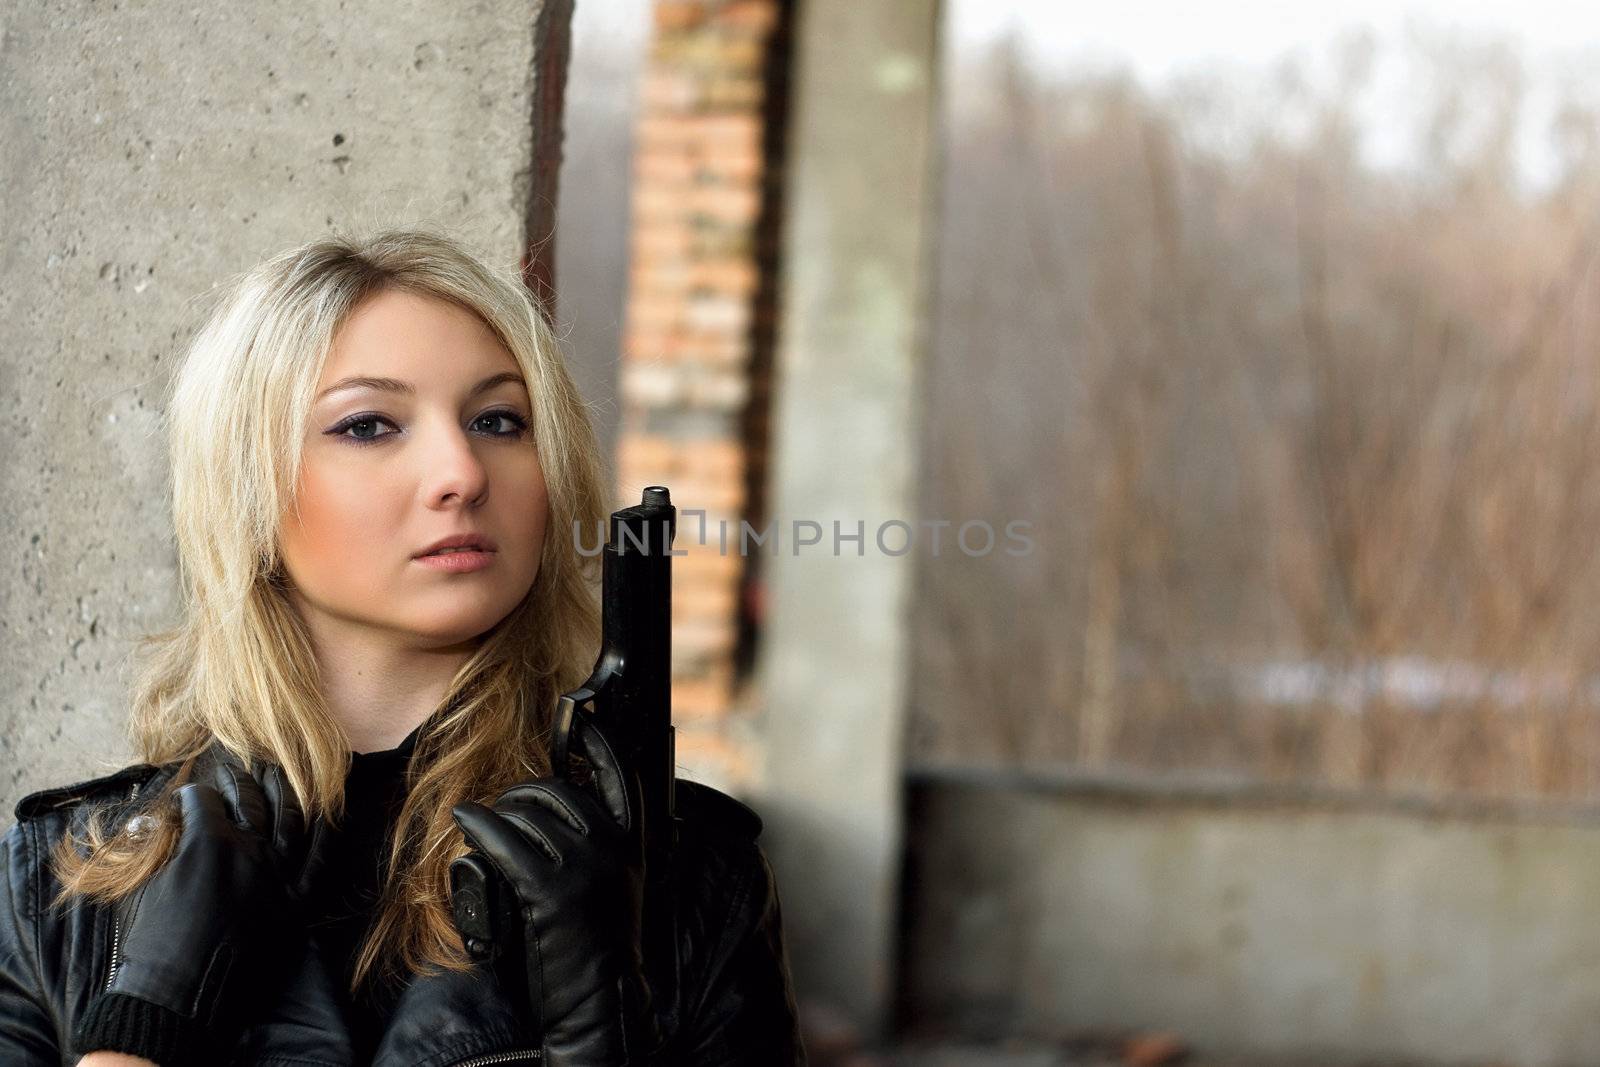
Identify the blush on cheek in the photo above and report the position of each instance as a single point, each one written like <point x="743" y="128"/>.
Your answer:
<point x="534" y="519"/>
<point x="333" y="531"/>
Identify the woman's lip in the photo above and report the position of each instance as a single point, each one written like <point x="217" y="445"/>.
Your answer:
<point x="458" y="562"/>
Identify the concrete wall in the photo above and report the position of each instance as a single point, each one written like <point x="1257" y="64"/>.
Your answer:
<point x="146" y="151"/>
<point x="847" y="382"/>
<point x="1288" y="930"/>
<point x="608" y="52"/>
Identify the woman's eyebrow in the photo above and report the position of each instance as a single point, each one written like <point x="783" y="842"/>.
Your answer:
<point x="395" y="385"/>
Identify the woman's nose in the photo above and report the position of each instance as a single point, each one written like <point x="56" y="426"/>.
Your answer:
<point x="453" y="472"/>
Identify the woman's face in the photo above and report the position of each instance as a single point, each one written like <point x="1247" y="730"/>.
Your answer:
<point x="444" y="448"/>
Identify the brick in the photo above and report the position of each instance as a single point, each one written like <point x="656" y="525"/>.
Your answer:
<point x="654" y="383"/>
<point x="756" y="17"/>
<point x="744" y="163"/>
<point x="718" y="496"/>
<point x="701" y="176"/>
<point x="720" y="349"/>
<point x="695" y="702"/>
<point x="654" y="207"/>
<point x="726" y="52"/>
<point x="717" y="457"/>
<point x="732" y="93"/>
<point x="692" y="672"/>
<point x="702" y="633"/>
<point x="699" y="481"/>
<point x="647" y="311"/>
<point x="657" y="132"/>
<point x="718" y="313"/>
<point x="714" y="131"/>
<point x="700" y="583"/>
<point x="731" y="210"/>
<point x="710" y="602"/>
<point x="707" y="562"/>
<point x="689" y="493"/>
<point x="693" y="659"/>
<point x="730" y="274"/>
<point x="649" y="344"/>
<point x="657" y="275"/>
<point x="638" y="451"/>
<point x="665" y="238"/>
<point x="711" y="238"/>
<point x="677" y="15"/>
<point x="708" y="54"/>
<point x="726" y="391"/>
<point x="664" y="200"/>
<point x="668" y="90"/>
<point x="717" y="678"/>
<point x="699" y="205"/>
<point x="688" y="540"/>
<point x="658" y="166"/>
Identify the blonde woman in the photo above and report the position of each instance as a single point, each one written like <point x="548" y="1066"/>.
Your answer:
<point x="378" y="461"/>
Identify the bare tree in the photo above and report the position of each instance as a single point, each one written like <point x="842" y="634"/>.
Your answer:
<point x="1275" y="414"/>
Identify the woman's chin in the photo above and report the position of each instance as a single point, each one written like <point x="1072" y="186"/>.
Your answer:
<point x="462" y="630"/>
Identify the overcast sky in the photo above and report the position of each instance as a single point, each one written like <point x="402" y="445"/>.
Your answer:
<point x="1158" y="38"/>
<point x="1161" y="42"/>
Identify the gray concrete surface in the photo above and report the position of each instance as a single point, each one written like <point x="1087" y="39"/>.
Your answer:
<point x="847" y="378"/>
<point x="608" y="55"/>
<point x="1254" y="926"/>
<point x="148" y="150"/>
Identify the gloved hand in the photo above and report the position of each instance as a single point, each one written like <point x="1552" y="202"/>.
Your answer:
<point x="202" y="941"/>
<point x="574" y="859"/>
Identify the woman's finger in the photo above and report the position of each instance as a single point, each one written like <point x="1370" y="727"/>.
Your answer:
<point x="513" y="849"/>
<point x="241" y="794"/>
<point x="288" y="821"/>
<point x="540" y="834"/>
<point x="553" y="796"/>
<point x="609" y="776"/>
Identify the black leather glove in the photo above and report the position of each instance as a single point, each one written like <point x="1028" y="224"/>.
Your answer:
<point x="574" y="859"/>
<point x="200" y="943"/>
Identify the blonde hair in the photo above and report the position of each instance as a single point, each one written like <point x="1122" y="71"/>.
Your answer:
<point x="238" y="669"/>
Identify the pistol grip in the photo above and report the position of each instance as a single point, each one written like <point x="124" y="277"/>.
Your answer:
<point x="472" y="899"/>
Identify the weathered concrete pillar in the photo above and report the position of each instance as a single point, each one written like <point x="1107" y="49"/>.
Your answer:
<point x="847" y="381"/>
<point x="147" y="151"/>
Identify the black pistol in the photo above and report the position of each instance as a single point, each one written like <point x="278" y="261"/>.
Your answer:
<point x="629" y="696"/>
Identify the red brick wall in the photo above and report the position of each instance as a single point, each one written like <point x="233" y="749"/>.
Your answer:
<point x="698" y="338"/>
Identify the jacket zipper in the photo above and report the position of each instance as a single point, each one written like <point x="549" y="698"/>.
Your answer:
<point x="116" y="924"/>
<point x="502" y="1057"/>
<point x="116" y="938"/>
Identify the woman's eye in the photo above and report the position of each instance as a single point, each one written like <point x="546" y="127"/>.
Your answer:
<point x="365" y="427"/>
<point x="517" y="424"/>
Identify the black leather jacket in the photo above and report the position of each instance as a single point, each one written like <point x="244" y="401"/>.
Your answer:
<point x="736" y="1005"/>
